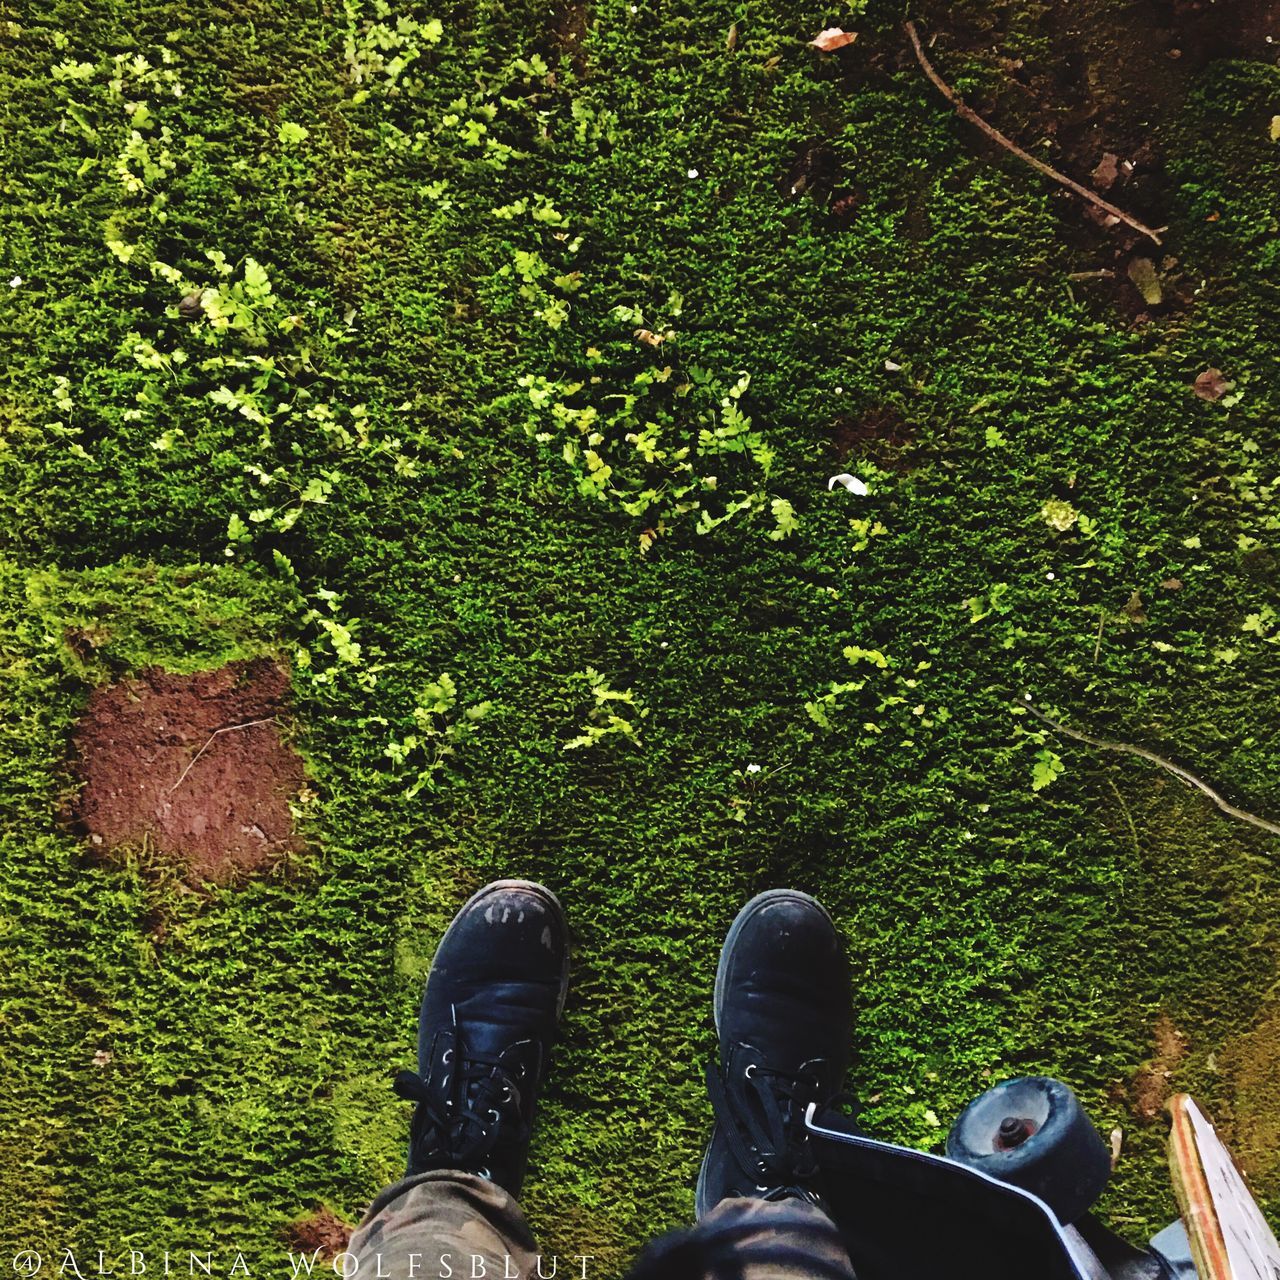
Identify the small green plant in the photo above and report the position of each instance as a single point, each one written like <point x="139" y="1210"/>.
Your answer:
<point x="1059" y="515"/>
<point x="1046" y="768"/>
<point x="752" y="779"/>
<point x="1047" y="765"/>
<point x="112" y="107"/>
<point x="1261" y="624"/>
<point x="327" y="650"/>
<point x="437" y="732"/>
<point x="891" y="689"/>
<point x="672" y="446"/>
<point x="379" y="46"/>
<point x="606" y="719"/>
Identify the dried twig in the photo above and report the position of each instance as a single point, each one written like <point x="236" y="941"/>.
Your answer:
<point x="1128" y="817"/>
<point x="229" y="728"/>
<point x="966" y="112"/>
<point x="1177" y="770"/>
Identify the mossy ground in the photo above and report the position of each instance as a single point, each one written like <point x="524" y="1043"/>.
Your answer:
<point x="994" y="929"/>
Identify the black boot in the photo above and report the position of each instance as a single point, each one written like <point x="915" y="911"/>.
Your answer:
<point x="487" y="1022"/>
<point x="782" y="1007"/>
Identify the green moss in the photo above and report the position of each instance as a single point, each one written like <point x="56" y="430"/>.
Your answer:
<point x="993" y="929"/>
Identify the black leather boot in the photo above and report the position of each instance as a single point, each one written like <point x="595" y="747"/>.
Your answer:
<point x="782" y="1008"/>
<point x="489" y="1015"/>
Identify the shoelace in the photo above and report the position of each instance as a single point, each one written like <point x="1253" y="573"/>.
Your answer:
<point x="761" y="1114"/>
<point x="461" y="1118"/>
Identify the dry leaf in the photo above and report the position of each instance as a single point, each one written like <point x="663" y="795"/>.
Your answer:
<point x="1211" y="385"/>
<point x="1106" y="171"/>
<point x="102" y="1057"/>
<point x="731" y="40"/>
<point x="1172" y="584"/>
<point x="1142" y="271"/>
<point x="1275" y="128"/>
<point x="1117" y="1142"/>
<point x="843" y="208"/>
<point x="648" y="335"/>
<point x="1134" y="609"/>
<point x="832" y="39"/>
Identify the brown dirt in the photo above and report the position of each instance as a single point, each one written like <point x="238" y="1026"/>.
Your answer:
<point x="879" y="434"/>
<point x="322" y="1230"/>
<point x="1150" y="1087"/>
<point x="814" y="170"/>
<point x="157" y="772"/>
<point x="568" y="30"/>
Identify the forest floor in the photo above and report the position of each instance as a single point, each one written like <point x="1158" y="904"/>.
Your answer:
<point x="414" y="462"/>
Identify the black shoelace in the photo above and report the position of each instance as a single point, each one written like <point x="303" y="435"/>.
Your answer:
<point x="761" y="1114"/>
<point x="462" y="1116"/>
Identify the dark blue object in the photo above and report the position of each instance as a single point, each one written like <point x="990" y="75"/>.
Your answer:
<point x="1032" y="1133"/>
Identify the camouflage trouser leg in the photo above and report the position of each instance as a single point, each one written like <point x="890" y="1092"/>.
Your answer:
<point x="443" y="1225"/>
<point x="456" y="1226"/>
<point x="751" y="1240"/>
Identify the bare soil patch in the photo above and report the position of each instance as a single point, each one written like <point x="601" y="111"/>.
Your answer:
<point x="568" y="28"/>
<point x="191" y="766"/>
<point x="814" y="170"/>
<point x="879" y="434"/>
<point x="1150" y="1086"/>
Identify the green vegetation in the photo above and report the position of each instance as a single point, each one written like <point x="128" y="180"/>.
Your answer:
<point x="488" y="340"/>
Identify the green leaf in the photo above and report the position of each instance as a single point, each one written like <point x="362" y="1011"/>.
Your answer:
<point x="1047" y="767"/>
<point x="857" y="654"/>
<point x="785" y="515"/>
<point x="256" y="283"/>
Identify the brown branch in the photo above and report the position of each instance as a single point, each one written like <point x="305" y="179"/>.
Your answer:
<point x="966" y="112"/>
<point x="1183" y="775"/>
<point x="248" y="724"/>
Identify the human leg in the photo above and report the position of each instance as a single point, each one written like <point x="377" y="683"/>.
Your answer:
<point x="486" y="1024"/>
<point x="782" y="1012"/>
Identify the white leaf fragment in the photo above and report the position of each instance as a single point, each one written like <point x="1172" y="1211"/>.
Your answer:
<point x="852" y="483"/>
